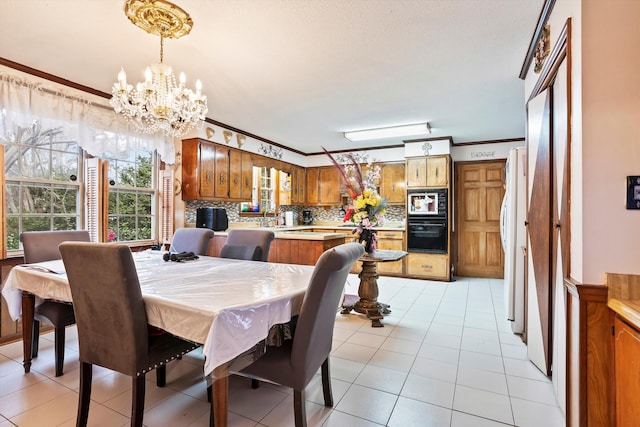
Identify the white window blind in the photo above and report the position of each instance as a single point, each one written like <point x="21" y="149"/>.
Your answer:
<point x="166" y="215"/>
<point x="95" y="197"/>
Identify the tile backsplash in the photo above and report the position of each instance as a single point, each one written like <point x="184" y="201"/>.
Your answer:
<point x="319" y="213"/>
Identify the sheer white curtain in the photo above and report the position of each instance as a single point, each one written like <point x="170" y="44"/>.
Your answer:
<point x="95" y="127"/>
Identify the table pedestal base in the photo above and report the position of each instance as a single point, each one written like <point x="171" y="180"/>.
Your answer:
<point x="368" y="296"/>
<point x="374" y="310"/>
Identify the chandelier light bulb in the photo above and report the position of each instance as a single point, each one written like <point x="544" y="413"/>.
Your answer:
<point x="183" y="79"/>
<point x="122" y="79"/>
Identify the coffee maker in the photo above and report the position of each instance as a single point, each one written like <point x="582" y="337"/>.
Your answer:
<point x="307" y="219"/>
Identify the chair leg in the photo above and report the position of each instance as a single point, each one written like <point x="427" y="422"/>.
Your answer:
<point x="137" y="403"/>
<point x="59" y="336"/>
<point x="255" y="383"/>
<point x="84" y="394"/>
<point x="35" y="339"/>
<point x="326" y="384"/>
<point x="209" y="393"/>
<point x="299" y="408"/>
<point x="161" y="376"/>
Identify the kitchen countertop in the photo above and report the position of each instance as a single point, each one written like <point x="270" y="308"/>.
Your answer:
<point x="294" y="233"/>
<point x="305" y="232"/>
<point x="629" y="309"/>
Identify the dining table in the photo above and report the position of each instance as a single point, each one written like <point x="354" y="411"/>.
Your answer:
<point x="227" y="305"/>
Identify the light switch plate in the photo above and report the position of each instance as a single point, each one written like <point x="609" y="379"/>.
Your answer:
<point x="633" y="192"/>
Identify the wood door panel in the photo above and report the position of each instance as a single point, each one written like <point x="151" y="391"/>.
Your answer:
<point x="495" y="256"/>
<point x="472" y="204"/>
<point x="494" y="201"/>
<point x="480" y="191"/>
<point x="471" y="254"/>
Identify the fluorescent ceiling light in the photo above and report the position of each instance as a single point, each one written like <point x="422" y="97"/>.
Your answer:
<point x="390" y="132"/>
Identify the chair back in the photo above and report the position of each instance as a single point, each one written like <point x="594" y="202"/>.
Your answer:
<point x="108" y="304"/>
<point x="43" y="245"/>
<point x="194" y="240"/>
<point x="314" y="330"/>
<point x="261" y="238"/>
<point x="246" y="252"/>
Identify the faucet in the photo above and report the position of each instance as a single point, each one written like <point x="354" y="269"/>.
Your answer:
<point x="264" y="217"/>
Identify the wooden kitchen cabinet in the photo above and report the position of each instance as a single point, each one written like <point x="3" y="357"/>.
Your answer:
<point x="626" y="373"/>
<point x="429" y="171"/>
<point x="390" y="240"/>
<point x="246" y="176"/>
<point x="211" y="171"/>
<point x="235" y="174"/>
<point x="298" y="185"/>
<point x="313" y="186"/>
<point x="329" y="194"/>
<point x="198" y="169"/>
<point x="428" y="266"/>
<point x="323" y="186"/>
<point x="393" y="184"/>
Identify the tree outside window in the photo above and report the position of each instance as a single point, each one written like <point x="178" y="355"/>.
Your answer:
<point x="132" y="198"/>
<point x="42" y="186"/>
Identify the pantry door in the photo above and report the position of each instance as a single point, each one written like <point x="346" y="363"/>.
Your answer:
<point x="479" y="193"/>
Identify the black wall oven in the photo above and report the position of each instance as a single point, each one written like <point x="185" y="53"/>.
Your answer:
<point x="429" y="233"/>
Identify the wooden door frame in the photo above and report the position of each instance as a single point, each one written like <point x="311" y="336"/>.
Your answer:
<point x="455" y="202"/>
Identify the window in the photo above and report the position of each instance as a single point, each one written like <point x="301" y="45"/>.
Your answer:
<point x="132" y="197"/>
<point x="42" y="185"/>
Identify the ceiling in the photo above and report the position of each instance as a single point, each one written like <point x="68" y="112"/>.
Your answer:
<point x="299" y="73"/>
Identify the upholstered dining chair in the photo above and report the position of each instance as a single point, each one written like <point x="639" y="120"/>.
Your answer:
<point x="194" y="240"/>
<point x="295" y="363"/>
<point x="112" y="322"/>
<point x="260" y="238"/>
<point x="41" y="246"/>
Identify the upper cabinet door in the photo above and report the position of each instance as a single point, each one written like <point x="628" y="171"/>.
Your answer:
<point x="246" y="176"/>
<point x="438" y="171"/>
<point x="393" y="187"/>
<point x="206" y="169"/>
<point x="235" y="174"/>
<point x="313" y="185"/>
<point x="222" y="173"/>
<point x="330" y="187"/>
<point x="417" y="172"/>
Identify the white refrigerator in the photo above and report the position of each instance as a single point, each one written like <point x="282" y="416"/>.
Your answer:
<point x="513" y="233"/>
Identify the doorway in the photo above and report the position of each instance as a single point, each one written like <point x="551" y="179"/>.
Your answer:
<point x="479" y="189"/>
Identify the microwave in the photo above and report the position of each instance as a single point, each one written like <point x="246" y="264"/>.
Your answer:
<point x="427" y="202"/>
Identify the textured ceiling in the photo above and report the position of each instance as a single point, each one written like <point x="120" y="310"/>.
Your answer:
<point x="301" y="72"/>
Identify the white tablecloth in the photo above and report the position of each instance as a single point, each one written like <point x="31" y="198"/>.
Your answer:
<point x="227" y="305"/>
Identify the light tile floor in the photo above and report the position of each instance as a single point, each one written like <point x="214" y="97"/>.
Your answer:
<point x="445" y="357"/>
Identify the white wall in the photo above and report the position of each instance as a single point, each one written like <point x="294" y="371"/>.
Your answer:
<point x="479" y="152"/>
<point x="611" y="136"/>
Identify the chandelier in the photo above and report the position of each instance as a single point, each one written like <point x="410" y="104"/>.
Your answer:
<point x="159" y="104"/>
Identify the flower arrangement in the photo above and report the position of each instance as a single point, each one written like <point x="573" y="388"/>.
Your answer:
<point x="367" y="208"/>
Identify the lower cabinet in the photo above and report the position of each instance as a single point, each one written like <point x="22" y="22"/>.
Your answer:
<point x="626" y="373"/>
<point x="390" y="240"/>
<point x="429" y="266"/>
<point x="287" y="251"/>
